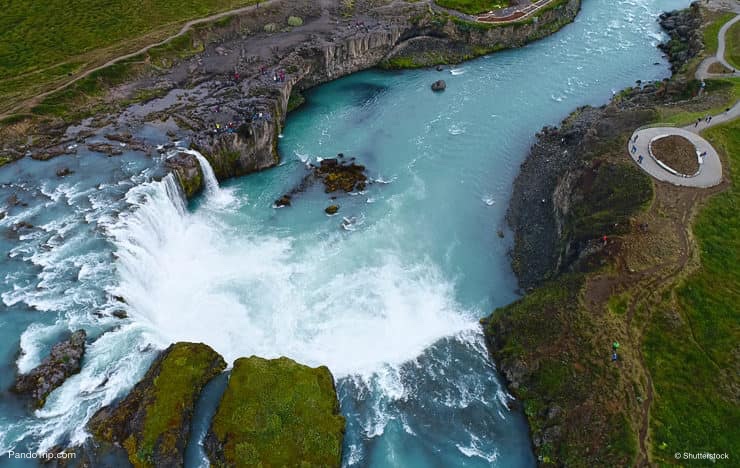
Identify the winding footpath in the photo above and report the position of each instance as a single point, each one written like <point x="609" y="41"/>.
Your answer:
<point x="702" y="73"/>
<point x="710" y="169"/>
<point x="185" y="28"/>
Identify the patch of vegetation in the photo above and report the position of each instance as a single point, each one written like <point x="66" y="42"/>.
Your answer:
<point x="691" y="346"/>
<point x="549" y="347"/>
<point x="401" y="62"/>
<point x="618" y="304"/>
<point x="473" y="7"/>
<point x="276" y="412"/>
<point x="295" y="21"/>
<point x="732" y="45"/>
<point x="33" y="59"/>
<point x="296" y="100"/>
<point x="607" y="196"/>
<point x="711" y="32"/>
<point x="727" y="88"/>
<point x="149" y="422"/>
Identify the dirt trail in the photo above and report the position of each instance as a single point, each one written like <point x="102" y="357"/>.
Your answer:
<point x="183" y="30"/>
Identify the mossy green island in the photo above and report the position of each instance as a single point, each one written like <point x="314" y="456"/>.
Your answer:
<point x="277" y="413"/>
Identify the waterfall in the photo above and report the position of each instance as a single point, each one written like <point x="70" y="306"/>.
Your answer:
<point x="209" y="177"/>
<point x="214" y="192"/>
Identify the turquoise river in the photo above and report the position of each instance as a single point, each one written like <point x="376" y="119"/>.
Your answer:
<point x="387" y="293"/>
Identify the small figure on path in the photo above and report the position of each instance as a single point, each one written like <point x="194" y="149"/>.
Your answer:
<point x="639" y="159"/>
<point x="697" y="122"/>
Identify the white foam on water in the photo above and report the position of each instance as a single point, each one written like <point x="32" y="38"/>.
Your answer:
<point x="473" y="451"/>
<point x="189" y="279"/>
<point x="457" y="71"/>
<point x="33" y="343"/>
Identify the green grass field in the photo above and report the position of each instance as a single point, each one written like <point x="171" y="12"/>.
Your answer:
<point x="42" y="43"/>
<point x="473" y="7"/>
<point x="691" y="344"/>
<point x="712" y="31"/>
<point x="732" y="52"/>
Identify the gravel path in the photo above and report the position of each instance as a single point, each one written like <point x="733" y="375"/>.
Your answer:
<point x="702" y="72"/>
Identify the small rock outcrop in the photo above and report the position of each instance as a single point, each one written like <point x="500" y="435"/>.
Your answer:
<point x="276" y="403"/>
<point x="337" y="175"/>
<point x="686" y="40"/>
<point x="439" y="85"/>
<point x="331" y="209"/>
<point x="152" y="423"/>
<point x="63" y="361"/>
<point x="188" y="172"/>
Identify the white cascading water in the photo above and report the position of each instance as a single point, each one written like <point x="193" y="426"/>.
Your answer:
<point x="190" y="279"/>
<point x="213" y="191"/>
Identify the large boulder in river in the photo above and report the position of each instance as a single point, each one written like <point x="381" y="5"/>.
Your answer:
<point x="439" y="85"/>
<point x="188" y="172"/>
<point x="276" y="413"/>
<point x="63" y="361"/>
<point x="152" y="423"/>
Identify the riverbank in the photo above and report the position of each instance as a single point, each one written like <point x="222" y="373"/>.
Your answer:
<point x="227" y="87"/>
<point x="623" y="267"/>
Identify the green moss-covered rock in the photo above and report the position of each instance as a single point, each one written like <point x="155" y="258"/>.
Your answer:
<point x="277" y="413"/>
<point x="295" y="21"/>
<point x="152" y="423"/>
<point x="188" y="172"/>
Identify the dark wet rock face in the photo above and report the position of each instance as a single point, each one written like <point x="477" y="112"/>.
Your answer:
<point x="686" y="41"/>
<point x="439" y="85"/>
<point x="105" y="148"/>
<point x="283" y="201"/>
<point x="64" y="171"/>
<point x="341" y="176"/>
<point x="63" y="361"/>
<point x="188" y="172"/>
<point x="152" y="423"/>
<point x="336" y="174"/>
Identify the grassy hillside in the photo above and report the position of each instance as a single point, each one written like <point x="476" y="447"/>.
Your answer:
<point x="691" y="345"/>
<point x="45" y="42"/>
<point x="732" y="52"/>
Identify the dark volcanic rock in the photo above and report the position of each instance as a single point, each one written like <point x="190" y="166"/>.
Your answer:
<point x="188" y="172"/>
<point x="337" y="175"/>
<point x="283" y="201"/>
<point x="105" y="148"/>
<point x="439" y="85"/>
<point x="152" y="423"/>
<point x="63" y="362"/>
<point x="686" y="41"/>
<point x="548" y="183"/>
<point x="64" y="171"/>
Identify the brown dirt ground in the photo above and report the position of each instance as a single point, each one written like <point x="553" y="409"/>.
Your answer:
<point x="676" y="152"/>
